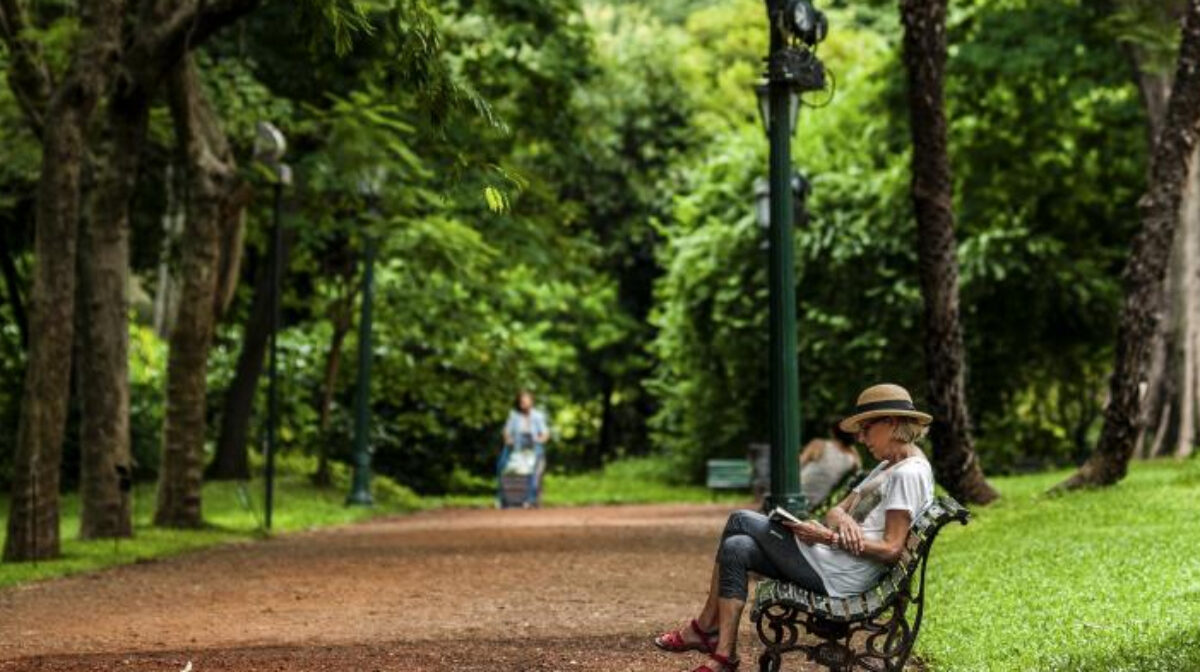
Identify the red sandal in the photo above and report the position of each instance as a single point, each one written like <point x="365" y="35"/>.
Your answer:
<point x="723" y="664"/>
<point x="673" y="641"/>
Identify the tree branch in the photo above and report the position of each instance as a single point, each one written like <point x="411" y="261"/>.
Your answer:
<point x="176" y="28"/>
<point x="28" y="74"/>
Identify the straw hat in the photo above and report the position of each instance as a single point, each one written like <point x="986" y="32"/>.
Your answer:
<point x="880" y="401"/>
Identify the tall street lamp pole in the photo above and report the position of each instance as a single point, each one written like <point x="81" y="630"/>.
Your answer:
<point x="369" y="187"/>
<point x="792" y="68"/>
<point x="270" y="146"/>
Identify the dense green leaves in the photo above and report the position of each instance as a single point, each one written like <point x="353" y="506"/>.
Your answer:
<point x="563" y="197"/>
<point x="1047" y="142"/>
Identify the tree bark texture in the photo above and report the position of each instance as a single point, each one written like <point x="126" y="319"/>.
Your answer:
<point x="212" y="181"/>
<point x="33" y="514"/>
<point x="1146" y="268"/>
<point x="166" y="294"/>
<point x="1169" y="403"/>
<point x="955" y="462"/>
<point x="231" y="461"/>
<point x="1189" y="220"/>
<point x="104" y="358"/>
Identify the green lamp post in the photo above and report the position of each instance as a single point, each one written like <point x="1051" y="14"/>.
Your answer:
<point x="792" y="68"/>
<point x="369" y="186"/>
<point x="269" y="147"/>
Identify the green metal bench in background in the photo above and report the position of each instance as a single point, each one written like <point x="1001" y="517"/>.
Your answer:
<point x="728" y="475"/>
<point x="876" y="621"/>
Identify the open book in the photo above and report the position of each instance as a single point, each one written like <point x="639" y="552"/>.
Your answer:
<point x="781" y="515"/>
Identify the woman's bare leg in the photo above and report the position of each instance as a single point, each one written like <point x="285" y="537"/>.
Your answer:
<point x="708" y="615"/>
<point x="730" y="611"/>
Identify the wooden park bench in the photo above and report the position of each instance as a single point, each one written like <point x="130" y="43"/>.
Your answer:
<point x="728" y="475"/>
<point x="877" y="621"/>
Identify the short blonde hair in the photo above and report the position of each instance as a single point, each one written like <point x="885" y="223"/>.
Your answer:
<point x="909" y="430"/>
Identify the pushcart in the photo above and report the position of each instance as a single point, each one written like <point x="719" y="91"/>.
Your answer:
<point x="519" y="476"/>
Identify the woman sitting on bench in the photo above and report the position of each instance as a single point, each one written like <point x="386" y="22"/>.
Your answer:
<point x="825" y="462"/>
<point x="864" y="536"/>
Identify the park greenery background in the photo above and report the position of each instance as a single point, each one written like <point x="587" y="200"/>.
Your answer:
<point x="568" y="207"/>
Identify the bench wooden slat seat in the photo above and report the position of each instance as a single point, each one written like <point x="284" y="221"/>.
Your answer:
<point x="728" y="474"/>
<point x="781" y="610"/>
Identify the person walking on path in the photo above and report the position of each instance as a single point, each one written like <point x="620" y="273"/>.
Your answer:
<point x="825" y="462"/>
<point x="525" y="437"/>
<point x="862" y="536"/>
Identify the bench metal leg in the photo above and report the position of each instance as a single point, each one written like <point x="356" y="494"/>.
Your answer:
<point x="769" y="662"/>
<point x="889" y="639"/>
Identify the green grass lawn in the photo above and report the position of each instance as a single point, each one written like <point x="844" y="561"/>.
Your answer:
<point x="1097" y="580"/>
<point x="232" y="510"/>
<point x="635" y="480"/>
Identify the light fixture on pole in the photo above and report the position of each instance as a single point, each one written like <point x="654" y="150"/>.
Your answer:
<point x="762" y="201"/>
<point x="269" y="147"/>
<point x="762" y="91"/>
<point x="793" y="68"/>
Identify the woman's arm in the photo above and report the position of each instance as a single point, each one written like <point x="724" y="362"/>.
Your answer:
<point x="886" y="550"/>
<point x="839" y="517"/>
<point x="811" y="452"/>
<point x="812" y="532"/>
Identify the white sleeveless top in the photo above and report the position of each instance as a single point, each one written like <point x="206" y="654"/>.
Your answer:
<point x="908" y="486"/>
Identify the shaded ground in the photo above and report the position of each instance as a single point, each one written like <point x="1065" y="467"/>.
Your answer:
<point x="559" y="589"/>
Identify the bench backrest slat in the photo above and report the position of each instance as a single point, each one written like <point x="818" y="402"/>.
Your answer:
<point x="940" y="512"/>
<point x="728" y="474"/>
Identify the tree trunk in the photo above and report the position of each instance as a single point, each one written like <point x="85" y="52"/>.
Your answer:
<point x="1141" y="312"/>
<point x="230" y="461"/>
<point x="212" y="182"/>
<point x="954" y="460"/>
<point x="166" y="292"/>
<point x="1169" y="402"/>
<point x="1189" y="219"/>
<point x="341" y="315"/>
<point x="33" y="514"/>
<point x="104" y="358"/>
<point x="343" y="321"/>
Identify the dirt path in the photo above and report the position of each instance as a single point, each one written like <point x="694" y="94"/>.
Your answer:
<point x="557" y="589"/>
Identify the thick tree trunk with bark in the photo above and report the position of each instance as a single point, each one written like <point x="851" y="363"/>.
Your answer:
<point x="33" y="513"/>
<point x="104" y="357"/>
<point x="1189" y="307"/>
<point x="954" y="460"/>
<point x="1145" y="271"/>
<point x="212" y="183"/>
<point x="1169" y="402"/>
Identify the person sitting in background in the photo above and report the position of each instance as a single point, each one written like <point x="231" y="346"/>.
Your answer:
<point x="825" y="462"/>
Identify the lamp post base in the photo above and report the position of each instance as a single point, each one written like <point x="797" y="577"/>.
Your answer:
<point x="360" y="498"/>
